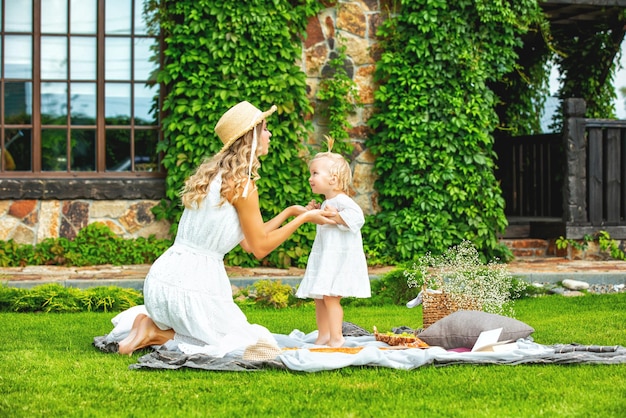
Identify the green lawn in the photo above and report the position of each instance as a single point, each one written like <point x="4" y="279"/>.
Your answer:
<point x="48" y="367"/>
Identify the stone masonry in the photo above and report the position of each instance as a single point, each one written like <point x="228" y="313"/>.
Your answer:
<point x="352" y="24"/>
<point x="31" y="221"/>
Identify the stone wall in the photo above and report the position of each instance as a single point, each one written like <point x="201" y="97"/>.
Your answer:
<point x="349" y="23"/>
<point x="353" y="24"/>
<point x="30" y="221"/>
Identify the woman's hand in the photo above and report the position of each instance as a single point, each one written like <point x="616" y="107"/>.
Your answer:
<point x="333" y="215"/>
<point x="296" y="210"/>
<point x="320" y="217"/>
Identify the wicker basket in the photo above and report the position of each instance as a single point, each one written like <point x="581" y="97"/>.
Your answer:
<point x="436" y="306"/>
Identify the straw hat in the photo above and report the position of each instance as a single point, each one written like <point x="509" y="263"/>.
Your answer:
<point x="263" y="350"/>
<point x="238" y="120"/>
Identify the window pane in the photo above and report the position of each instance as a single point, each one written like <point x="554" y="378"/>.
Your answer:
<point x="118" y="150"/>
<point x="144" y="64"/>
<point x="53" y="57"/>
<point x="54" y="16"/>
<point x="83" y="150"/>
<point x="117" y="59"/>
<point x="146" y="102"/>
<point x="117" y="17"/>
<point x="19" y="16"/>
<point x="83" y="104"/>
<point x="54" y="103"/>
<point x="83" y="58"/>
<point x="83" y="16"/>
<point x="146" y="156"/>
<point x="18" y="103"/>
<point x="140" y="26"/>
<point x="18" y="146"/>
<point x="18" y="56"/>
<point x="53" y="150"/>
<point x="117" y="104"/>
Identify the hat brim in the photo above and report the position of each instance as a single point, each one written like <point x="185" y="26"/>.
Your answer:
<point x="254" y="122"/>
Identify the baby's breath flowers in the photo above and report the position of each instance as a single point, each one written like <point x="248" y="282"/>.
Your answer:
<point x="468" y="281"/>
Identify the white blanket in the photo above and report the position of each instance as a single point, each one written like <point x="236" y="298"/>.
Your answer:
<point x="372" y="355"/>
<point x="295" y="355"/>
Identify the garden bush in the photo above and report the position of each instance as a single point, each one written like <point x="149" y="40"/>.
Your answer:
<point x="95" y="244"/>
<point x="55" y="298"/>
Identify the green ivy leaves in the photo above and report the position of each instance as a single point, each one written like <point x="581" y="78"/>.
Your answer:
<point x="218" y="53"/>
<point x="433" y="141"/>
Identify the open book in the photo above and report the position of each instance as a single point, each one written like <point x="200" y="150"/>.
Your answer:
<point x="488" y="341"/>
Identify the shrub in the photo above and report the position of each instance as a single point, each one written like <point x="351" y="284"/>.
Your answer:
<point x="389" y="289"/>
<point x="272" y="293"/>
<point x="94" y="244"/>
<point x="56" y="298"/>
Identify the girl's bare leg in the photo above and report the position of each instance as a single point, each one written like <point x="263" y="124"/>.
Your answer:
<point x="321" y="317"/>
<point x="335" y="320"/>
<point x="144" y="333"/>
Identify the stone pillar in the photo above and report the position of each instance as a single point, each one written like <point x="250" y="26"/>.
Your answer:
<point x="352" y="24"/>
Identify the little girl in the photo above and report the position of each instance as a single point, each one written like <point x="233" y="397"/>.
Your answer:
<point x="337" y="265"/>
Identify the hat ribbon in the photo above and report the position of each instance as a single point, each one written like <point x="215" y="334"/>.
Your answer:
<point x="252" y="152"/>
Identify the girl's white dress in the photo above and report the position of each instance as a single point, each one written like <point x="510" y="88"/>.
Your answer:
<point x="337" y="265"/>
<point x="187" y="288"/>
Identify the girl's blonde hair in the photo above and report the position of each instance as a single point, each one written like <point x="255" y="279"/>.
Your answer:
<point x="233" y="163"/>
<point x="339" y="167"/>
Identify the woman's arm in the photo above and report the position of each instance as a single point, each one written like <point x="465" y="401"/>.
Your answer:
<point x="261" y="239"/>
<point x="276" y="222"/>
<point x="279" y="219"/>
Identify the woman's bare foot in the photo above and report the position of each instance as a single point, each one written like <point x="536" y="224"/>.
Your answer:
<point x="144" y="333"/>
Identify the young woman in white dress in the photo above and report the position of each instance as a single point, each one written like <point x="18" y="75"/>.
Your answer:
<point x="337" y="266"/>
<point x="187" y="294"/>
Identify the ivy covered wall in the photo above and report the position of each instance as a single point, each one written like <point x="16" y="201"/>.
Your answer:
<point x="217" y="54"/>
<point x="429" y="75"/>
<point x="434" y="80"/>
<point x="434" y="132"/>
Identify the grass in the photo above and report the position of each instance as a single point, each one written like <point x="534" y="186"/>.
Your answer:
<point x="48" y="367"/>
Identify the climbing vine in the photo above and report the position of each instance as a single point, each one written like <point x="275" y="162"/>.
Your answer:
<point x="451" y="75"/>
<point x="522" y="93"/>
<point x="338" y="95"/>
<point x="216" y="54"/>
<point x="433" y="140"/>
<point x="587" y="64"/>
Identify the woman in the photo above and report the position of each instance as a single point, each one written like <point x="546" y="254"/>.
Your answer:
<point x="188" y="296"/>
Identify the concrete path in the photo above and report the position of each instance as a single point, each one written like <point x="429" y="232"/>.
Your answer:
<point x="541" y="270"/>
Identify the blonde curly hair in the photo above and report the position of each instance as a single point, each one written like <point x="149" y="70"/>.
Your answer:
<point x="233" y="163"/>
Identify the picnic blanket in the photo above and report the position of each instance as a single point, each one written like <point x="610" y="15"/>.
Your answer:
<point x="299" y="353"/>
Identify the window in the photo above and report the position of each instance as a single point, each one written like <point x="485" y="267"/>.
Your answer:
<point x="77" y="92"/>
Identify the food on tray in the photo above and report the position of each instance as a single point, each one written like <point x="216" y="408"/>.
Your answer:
<point x="402" y="340"/>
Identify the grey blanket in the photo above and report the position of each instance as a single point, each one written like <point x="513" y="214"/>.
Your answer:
<point x="299" y="358"/>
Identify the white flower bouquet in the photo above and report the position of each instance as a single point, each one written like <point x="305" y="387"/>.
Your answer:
<point x="459" y="279"/>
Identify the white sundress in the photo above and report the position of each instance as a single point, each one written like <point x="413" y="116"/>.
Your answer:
<point x="187" y="288"/>
<point x="337" y="264"/>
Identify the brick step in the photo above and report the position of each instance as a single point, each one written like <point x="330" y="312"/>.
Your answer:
<point x="531" y="247"/>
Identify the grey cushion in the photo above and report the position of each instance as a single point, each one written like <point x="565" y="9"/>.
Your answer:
<point x="461" y="329"/>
